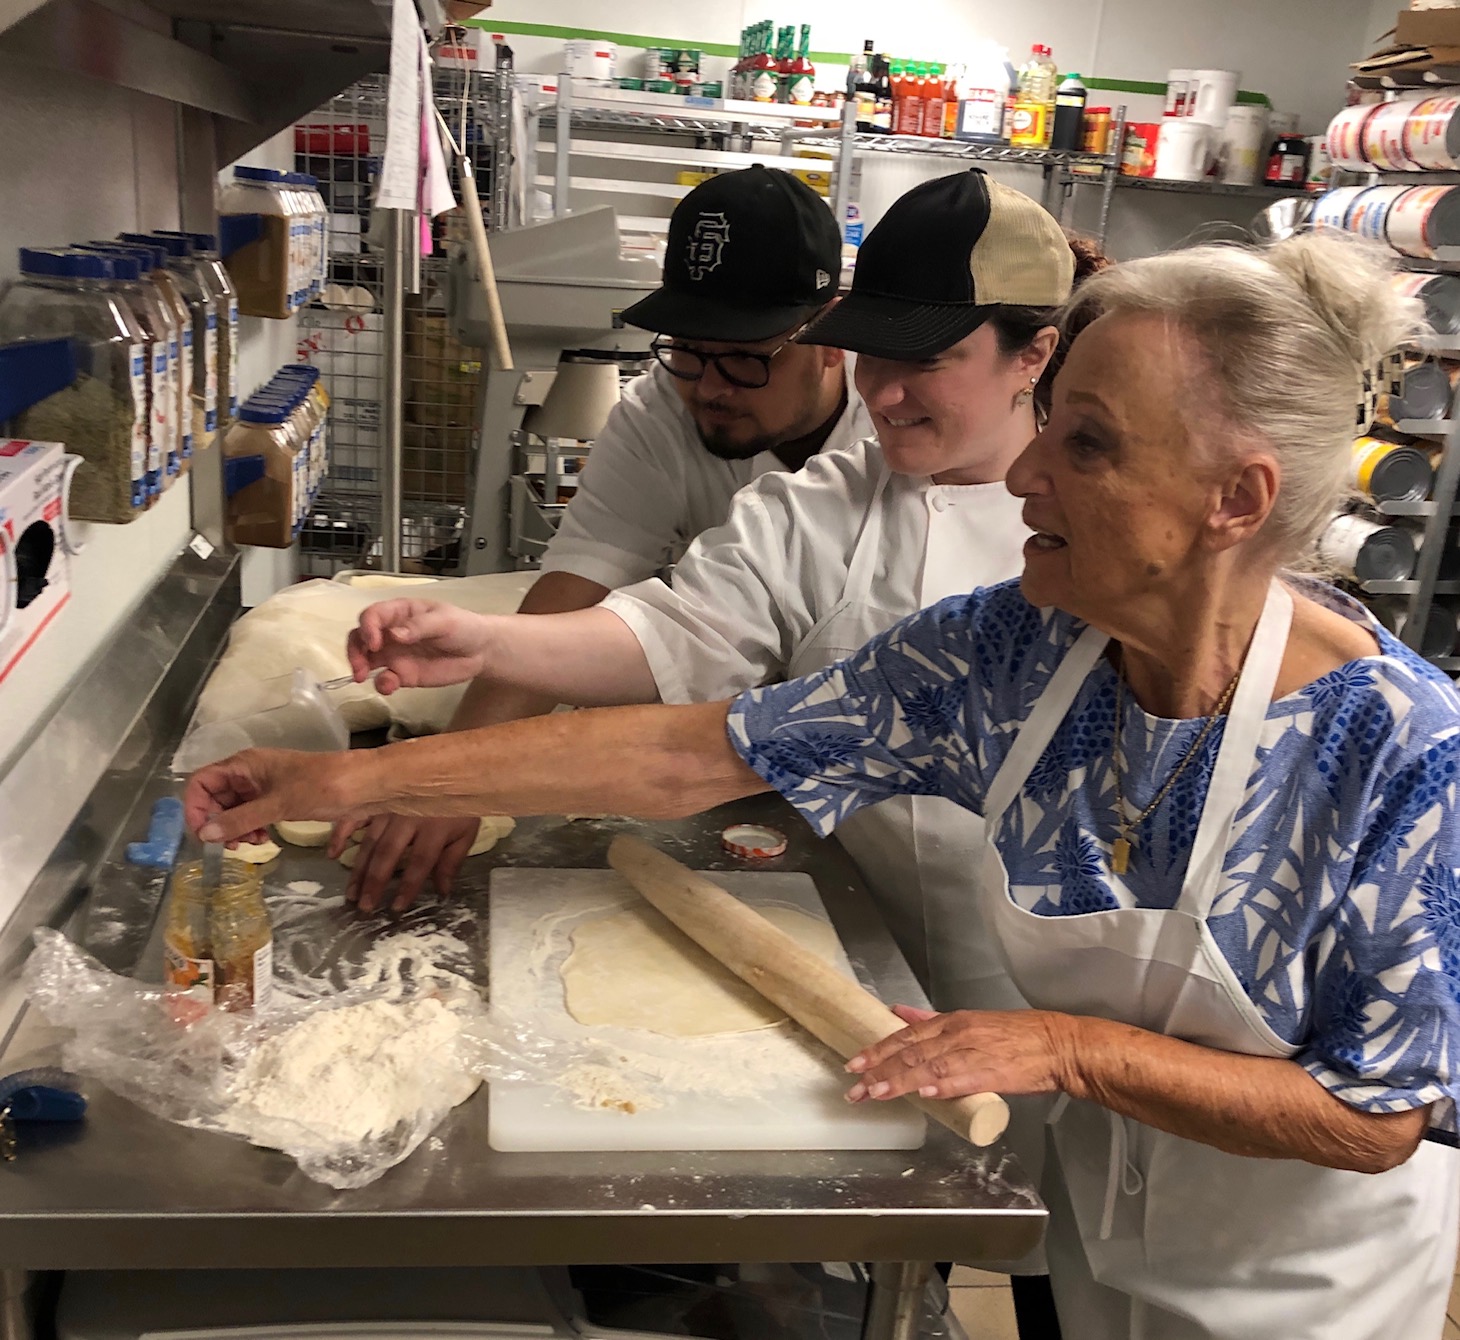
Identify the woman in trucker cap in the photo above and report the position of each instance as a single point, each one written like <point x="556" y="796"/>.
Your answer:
<point x="950" y="315"/>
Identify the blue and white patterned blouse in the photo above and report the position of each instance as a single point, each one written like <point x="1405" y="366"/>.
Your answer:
<point x="1340" y="910"/>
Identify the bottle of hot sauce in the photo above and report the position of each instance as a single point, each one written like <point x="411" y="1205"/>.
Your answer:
<point x="933" y="94"/>
<point x="803" y="72"/>
<point x="763" y="72"/>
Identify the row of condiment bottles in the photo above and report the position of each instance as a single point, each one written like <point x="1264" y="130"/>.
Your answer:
<point x="276" y="457"/>
<point x="281" y="228"/>
<point x="152" y="321"/>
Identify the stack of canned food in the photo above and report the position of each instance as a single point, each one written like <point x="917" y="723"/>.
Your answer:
<point x="1416" y="134"/>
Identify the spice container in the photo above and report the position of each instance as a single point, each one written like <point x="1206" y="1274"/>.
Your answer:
<point x="203" y="313"/>
<point x="102" y="415"/>
<point x="160" y="326"/>
<point x="261" y="269"/>
<point x="214" y="275"/>
<point x="241" y="939"/>
<point x="153" y="261"/>
<point x="259" y="477"/>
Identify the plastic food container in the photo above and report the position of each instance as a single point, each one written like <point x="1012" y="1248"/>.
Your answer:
<point x="286" y="712"/>
<point x="188" y="274"/>
<point x="102" y="416"/>
<point x="261" y="269"/>
<point x="214" y="276"/>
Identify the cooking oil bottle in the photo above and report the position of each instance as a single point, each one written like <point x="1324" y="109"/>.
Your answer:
<point x="242" y="939"/>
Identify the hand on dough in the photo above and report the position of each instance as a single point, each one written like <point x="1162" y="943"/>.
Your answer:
<point x="417" y="848"/>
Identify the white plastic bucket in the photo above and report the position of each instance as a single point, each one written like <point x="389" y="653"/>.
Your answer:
<point x="1244" y="144"/>
<point x="1216" y="92"/>
<point x="590" y="60"/>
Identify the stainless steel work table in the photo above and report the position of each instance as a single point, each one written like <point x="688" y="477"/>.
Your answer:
<point x="130" y="1191"/>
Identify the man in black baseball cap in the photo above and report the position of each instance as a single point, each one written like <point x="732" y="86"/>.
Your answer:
<point x="750" y="255"/>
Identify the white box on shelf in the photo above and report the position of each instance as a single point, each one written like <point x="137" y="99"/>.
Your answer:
<point x="345" y="234"/>
<point x="35" y="564"/>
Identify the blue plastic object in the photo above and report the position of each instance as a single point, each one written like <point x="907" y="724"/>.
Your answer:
<point x="241" y="471"/>
<point x="236" y="231"/>
<point x="47" y="1094"/>
<point x="32" y="370"/>
<point x="164" y="836"/>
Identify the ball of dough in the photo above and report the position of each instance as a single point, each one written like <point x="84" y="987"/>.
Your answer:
<point x="304" y="832"/>
<point x="256" y="853"/>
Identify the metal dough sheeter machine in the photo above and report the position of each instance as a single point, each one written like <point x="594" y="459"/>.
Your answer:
<point x="563" y="285"/>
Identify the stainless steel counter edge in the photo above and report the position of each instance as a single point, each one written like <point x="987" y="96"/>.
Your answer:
<point x="380" y="1240"/>
<point x="72" y="786"/>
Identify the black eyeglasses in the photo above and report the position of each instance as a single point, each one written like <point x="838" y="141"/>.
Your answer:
<point x="739" y="367"/>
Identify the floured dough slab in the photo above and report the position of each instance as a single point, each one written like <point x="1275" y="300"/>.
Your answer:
<point x="255" y="853"/>
<point x="304" y="832"/>
<point x="636" y="969"/>
<point x="490" y="831"/>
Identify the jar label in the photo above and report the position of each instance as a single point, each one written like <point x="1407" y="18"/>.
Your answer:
<point x="162" y="456"/>
<point x="263" y="975"/>
<point x="142" y="489"/>
<point x="210" y="373"/>
<point x="232" y="358"/>
<point x="185" y="422"/>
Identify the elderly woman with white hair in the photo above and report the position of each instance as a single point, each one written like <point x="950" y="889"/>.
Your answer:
<point x="1223" y="862"/>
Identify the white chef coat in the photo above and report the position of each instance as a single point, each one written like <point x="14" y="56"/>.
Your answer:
<point x="650" y="485"/>
<point x="808" y="568"/>
<point x="751" y="599"/>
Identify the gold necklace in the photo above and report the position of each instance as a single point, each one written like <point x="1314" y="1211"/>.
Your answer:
<point x="1126" y="840"/>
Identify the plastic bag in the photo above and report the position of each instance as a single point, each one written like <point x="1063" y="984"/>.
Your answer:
<point x="348" y="1085"/>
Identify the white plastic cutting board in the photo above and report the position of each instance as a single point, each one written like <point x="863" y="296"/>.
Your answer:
<point x="778" y="1089"/>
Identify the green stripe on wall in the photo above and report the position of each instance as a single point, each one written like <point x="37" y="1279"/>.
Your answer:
<point x="566" y="34"/>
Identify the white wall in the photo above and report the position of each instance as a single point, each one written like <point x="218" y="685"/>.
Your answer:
<point x="80" y="159"/>
<point x="1296" y="51"/>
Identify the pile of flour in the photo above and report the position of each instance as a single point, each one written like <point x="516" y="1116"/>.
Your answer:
<point x="346" y="1076"/>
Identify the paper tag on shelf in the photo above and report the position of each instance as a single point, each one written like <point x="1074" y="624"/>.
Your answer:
<point x="201" y="546"/>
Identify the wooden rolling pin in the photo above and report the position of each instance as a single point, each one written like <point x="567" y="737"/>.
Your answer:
<point x="831" y="1007"/>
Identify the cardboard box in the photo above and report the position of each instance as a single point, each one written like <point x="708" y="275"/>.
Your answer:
<point x="35" y="569"/>
<point x="1428" y="28"/>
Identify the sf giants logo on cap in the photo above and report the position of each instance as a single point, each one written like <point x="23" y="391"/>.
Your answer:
<point x="707" y="244"/>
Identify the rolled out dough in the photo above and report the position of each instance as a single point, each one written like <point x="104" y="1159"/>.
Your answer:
<point x="636" y="969"/>
<point x="255" y="853"/>
<point x="304" y="832"/>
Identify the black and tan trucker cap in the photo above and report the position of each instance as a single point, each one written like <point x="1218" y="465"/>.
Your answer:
<point x="940" y="262"/>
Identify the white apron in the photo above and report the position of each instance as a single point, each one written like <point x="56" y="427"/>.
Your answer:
<point x="1153" y="1237"/>
<point x="919" y="854"/>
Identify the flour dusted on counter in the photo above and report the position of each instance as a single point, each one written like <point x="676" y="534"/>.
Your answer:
<point x="346" y="1076"/>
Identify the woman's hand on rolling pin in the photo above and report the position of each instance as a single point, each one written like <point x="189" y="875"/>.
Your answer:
<point x="965" y="1052"/>
<point x="417" y="644"/>
<point x="235" y="799"/>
